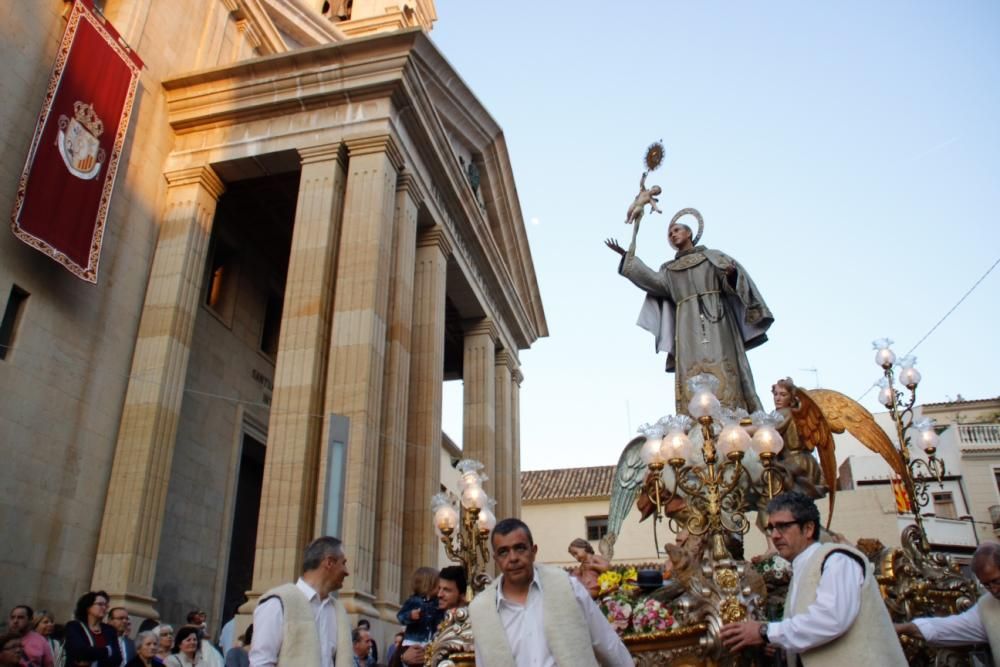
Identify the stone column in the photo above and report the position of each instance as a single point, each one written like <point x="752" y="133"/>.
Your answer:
<point x="395" y="399"/>
<point x="479" y="397"/>
<point x="357" y="351"/>
<point x="503" y="480"/>
<point x="423" y="439"/>
<point x="515" y="437"/>
<point x="295" y="428"/>
<point x="133" y="513"/>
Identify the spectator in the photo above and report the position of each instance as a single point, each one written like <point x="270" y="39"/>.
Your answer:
<point x="44" y="624"/>
<point x="397" y="641"/>
<point x="187" y="651"/>
<point x="165" y="641"/>
<point x="145" y="650"/>
<point x="119" y="620"/>
<point x="87" y="639"/>
<point x="10" y="649"/>
<point x="209" y="653"/>
<point x="34" y="649"/>
<point x="239" y="656"/>
<point x="361" y="643"/>
<point x="420" y="613"/>
<point x="363" y="624"/>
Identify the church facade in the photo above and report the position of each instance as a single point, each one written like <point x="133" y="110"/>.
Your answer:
<point x="314" y="225"/>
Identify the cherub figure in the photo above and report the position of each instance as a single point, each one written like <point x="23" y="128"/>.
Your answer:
<point x="638" y="207"/>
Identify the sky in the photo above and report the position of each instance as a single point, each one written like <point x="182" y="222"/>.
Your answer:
<point x="846" y="154"/>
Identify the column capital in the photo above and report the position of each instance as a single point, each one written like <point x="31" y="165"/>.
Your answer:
<point x="517" y="376"/>
<point x="481" y="326"/>
<point x="505" y="358"/>
<point x="323" y="153"/>
<point x="204" y="176"/>
<point x="435" y="236"/>
<point x="407" y="183"/>
<point x="375" y="144"/>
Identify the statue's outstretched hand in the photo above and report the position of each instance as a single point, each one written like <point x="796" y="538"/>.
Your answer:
<point x="613" y="244"/>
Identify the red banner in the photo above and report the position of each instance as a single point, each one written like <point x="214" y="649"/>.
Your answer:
<point x="65" y="189"/>
<point x="903" y="505"/>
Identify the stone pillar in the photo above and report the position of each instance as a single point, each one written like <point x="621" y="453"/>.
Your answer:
<point x="479" y="397"/>
<point x="515" y="438"/>
<point x="395" y="399"/>
<point x="295" y="430"/>
<point x="357" y="352"/>
<point x="423" y="439"/>
<point x="503" y="481"/>
<point x="133" y="513"/>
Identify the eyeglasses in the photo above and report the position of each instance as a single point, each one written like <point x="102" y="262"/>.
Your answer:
<point x="992" y="584"/>
<point x="519" y="549"/>
<point x="780" y="526"/>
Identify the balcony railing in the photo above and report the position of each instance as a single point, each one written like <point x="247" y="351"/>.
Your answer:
<point x="982" y="435"/>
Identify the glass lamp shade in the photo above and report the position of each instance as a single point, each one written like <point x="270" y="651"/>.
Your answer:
<point x="676" y="445"/>
<point x="474" y="497"/>
<point x="928" y="439"/>
<point x="445" y="518"/>
<point x="703" y="404"/>
<point x="468" y="478"/>
<point x="909" y="376"/>
<point x="650" y="451"/>
<point x="487" y="521"/>
<point x="733" y="438"/>
<point x="885" y="396"/>
<point x="767" y="440"/>
<point x="885" y="357"/>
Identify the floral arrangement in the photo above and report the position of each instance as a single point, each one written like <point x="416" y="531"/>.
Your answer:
<point x="777" y="573"/>
<point x="626" y="609"/>
<point x="651" y="616"/>
<point x="616" y="579"/>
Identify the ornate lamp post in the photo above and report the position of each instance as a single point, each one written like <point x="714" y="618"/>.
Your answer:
<point x="919" y="473"/>
<point x="464" y="524"/>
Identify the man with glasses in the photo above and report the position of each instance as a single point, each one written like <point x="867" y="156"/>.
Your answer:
<point x="978" y="625"/>
<point x="834" y="614"/>
<point x="537" y="615"/>
<point x="118" y="619"/>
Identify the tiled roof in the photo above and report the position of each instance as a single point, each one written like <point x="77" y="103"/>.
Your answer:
<point x="566" y="483"/>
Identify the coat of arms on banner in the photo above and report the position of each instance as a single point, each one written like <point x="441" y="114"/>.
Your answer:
<point x="78" y="141"/>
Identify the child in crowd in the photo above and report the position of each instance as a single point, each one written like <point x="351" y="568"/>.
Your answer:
<point x="420" y="613"/>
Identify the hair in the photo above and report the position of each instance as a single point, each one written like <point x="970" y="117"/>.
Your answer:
<point x="111" y="612"/>
<point x="40" y="616"/>
<point x="148" y="624"/>
<point x="508" y="526"/>
<point x="248" y="635"/>
<point x="581" y="543"/>
<point x="789" y="385"/>
<point x="29" y="610"/>
<point x="455" y="573"/>
<point x="363" y="623"/>
<point x="182" y="634"/>
<point x="144" y="635"/>
<point x="987" y="552"/>
<point x="85" y="602"/>
<point x="679" y="224"/>
<point x="319" y="549"/>
<point x="356" y="634"/>
<point x="424" y="581"/>
<point x="194" y="614"/>
<point x="159" y="628"/>
<point x="801" y="506"/>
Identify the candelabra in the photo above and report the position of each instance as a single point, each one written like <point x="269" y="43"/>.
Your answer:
<point x="464" y="524"/>
<point x="715" y="489"/>
<point x="919" y="473"/>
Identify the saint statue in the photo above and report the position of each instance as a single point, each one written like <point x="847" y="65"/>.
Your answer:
<point x="704" y="311"/>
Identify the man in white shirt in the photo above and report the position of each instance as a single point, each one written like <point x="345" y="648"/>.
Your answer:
<point x="834" y="613"/>
<point x="308" y="612"/>
<point x="537" y="615"/>
<point x="978" y="625"/>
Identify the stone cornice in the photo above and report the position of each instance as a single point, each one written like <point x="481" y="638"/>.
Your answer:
<point x="508" y="359"/>
<point x="376" y="144"/>
<point x="435" y="237"/>
<point x="323" y="153"/>
<point x="481" y="326"/>
<point x="408" y="184"/>
<point x="203" y="176"/>
<point x="517" y="376"/>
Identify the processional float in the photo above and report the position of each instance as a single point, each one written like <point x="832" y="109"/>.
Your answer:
<point x="702" y="470"/>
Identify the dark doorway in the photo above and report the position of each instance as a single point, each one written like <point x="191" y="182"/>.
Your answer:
<point x="239" y="574"/>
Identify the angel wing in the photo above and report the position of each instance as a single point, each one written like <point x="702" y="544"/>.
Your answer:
<point x="843" y="413"/>
<point x="625" y="486"/>
<point x="815" y="433"/>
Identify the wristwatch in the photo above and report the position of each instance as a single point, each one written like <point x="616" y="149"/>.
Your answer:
<point x="763" y="633"/>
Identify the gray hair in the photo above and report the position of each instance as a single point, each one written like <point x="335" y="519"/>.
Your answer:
<point x="320" y="548"/>
<point x="987" y="552"/>
<point x="147" y="634"/>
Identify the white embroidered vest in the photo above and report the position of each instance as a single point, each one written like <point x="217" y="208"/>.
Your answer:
<point x="300" y="640"/>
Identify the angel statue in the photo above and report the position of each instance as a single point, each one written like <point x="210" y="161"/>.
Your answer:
<point x="808" y="419"/>
<point x="645" y="196"/>
<point x="704" y="311"/>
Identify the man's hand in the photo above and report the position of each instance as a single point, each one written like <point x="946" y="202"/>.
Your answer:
<point x="908" y="629"/>
<point x="613" y="244"/>
<point x="738" y="636"/>
<point x="412" y="655"/>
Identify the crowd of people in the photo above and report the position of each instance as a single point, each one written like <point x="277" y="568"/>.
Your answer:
<point x="530" y="615"/>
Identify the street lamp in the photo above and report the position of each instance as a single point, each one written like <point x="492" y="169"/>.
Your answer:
<point x="464" y="523"/>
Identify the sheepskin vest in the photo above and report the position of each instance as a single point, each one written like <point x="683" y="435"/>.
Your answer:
<point x="563" y="623"/>
<point x="989" y="613"/>
<point x="871" y="639"/>
<point x="300" y="638"/>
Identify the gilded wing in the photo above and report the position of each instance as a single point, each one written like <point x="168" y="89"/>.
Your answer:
<point x="844" y="413"/>
<point x="815" y="433"/>
<point x="625" y="486"/>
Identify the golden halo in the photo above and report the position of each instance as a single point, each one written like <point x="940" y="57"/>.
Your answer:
<point x="654" y="155"/>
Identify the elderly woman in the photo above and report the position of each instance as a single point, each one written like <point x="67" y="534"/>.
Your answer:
<point x="186" y="653"/>
<point x="165" y="641"/>
<point x="591" y="565"/>
<point x="43" y="623"/>
<point x="87" y="639"/>
<point x="145" y="650"/>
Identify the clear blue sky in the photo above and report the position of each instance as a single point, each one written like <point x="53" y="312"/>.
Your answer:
<point x="847" y="154"/>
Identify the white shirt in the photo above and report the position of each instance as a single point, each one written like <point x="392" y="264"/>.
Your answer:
<point x="838" y="601"/>
<point x="523" y="625"/>
<point x="964" y="628"/>
<point x="268" y="628"/>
